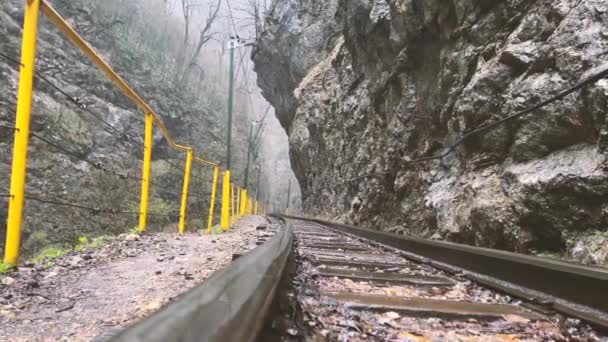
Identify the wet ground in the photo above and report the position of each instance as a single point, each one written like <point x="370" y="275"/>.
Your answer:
<point x="344" y="289"/>
<point x="93" y="293"/>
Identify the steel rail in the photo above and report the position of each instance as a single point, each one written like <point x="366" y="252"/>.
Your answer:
<point x="229" y="306"/>
<point x="573" y="289"/>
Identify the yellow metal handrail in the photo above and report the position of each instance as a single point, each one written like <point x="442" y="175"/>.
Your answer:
<point x="62" y="25"/>
<point x="230" y="193"/>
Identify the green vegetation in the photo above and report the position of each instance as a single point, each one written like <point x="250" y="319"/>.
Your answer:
<point x="83" y="241"/>
<point x="99" y="241"/>
<point x="134" y="230"/>
<point x="215" y="230"/>
<point x="48" y="254"/>
<point x="5" y="268"/>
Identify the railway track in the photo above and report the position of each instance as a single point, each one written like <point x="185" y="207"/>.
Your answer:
<point x="350" y="289"/>
<point x="340" y="283"/>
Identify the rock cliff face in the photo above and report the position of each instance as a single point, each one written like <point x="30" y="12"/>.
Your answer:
<point x="364" y="86"/>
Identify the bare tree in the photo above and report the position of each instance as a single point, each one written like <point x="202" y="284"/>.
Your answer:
<point x="206" y="34"/>
<point x="255" y="11"/>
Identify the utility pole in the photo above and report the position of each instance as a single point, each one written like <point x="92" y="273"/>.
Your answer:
<point x="257" y="187"/>
<point x="232" y="44"/>
<point x="246" y="182"/>
<point x="226" y="185"/>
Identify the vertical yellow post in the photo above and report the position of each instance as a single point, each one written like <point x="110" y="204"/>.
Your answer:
<point x="184" y="204"/>
<point x="225" y="222"/>
<point x="232" y="209"/>
<point x="238" y="202"/>
<point x="255" y="209"/>
<point x="216" y="172"/>
<point x="145" y="177"/>
<point x="22" y="131"/>
<point x="244" y="203"/>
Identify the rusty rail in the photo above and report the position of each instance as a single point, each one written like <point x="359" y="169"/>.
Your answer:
<point x="572" y="289"/>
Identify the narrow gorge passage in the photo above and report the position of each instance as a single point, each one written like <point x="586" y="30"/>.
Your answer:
<point x="303" y="170"/>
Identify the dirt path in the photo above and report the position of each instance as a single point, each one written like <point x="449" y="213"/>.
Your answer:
<point x="92" y="292"/>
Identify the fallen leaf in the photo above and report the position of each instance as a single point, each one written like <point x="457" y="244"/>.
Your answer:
<point x="412" y="337"/>
<point x="509" y="338"/>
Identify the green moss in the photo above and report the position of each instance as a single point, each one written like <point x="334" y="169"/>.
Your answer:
<point x="85" y="243"/>
<point x="5" y="268"/>
<point x="49" y="254"/>
<point x="216" y="230"/>
<point x="99" y="241"/>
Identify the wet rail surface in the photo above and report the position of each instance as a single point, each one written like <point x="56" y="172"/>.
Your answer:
<point x="348" y="289"/>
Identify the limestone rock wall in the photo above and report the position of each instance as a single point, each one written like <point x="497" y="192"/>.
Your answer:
<point x="364" y="86"/>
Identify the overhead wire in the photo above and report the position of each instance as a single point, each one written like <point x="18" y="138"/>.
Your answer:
<point x="95" y="211"/>
<point x="487" y="127"/>
<point x="76" y="101"/>
<point x="82" y="106"/>
<point x="96" y="165"/>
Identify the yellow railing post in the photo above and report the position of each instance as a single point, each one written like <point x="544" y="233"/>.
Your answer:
<point x="238" y="201"/>
<point x="225" y="222"/>
<point x="145" y="172"/>
<point x="184" y="204"/>
<point x="216" y="171"/>
<point x="232" y="208"/>
<point x="244" y="203"/>
<point x="22" y="131"/>
<point x="255" y="210"/>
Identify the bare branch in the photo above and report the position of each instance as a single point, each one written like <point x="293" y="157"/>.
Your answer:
<point x="204" y="37"/>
